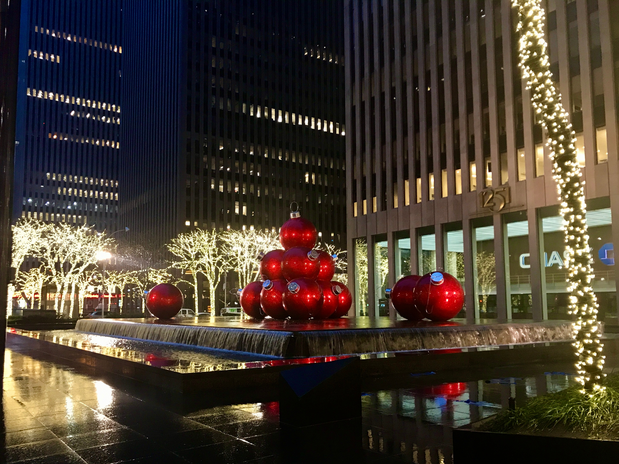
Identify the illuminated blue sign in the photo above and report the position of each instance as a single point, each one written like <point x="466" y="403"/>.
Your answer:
<point x="607" y="254"/>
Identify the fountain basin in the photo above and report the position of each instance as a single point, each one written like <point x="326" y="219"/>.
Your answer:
<point x="291" y="339"/>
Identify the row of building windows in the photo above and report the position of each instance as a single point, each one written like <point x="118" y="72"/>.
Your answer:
<point x="90" y="140"/>
<point x="105" y="119"/>
<point x="70" y="218"/>
<point x="72" y="100"/>
<point x="44" y="56"/>
<point x="322" y="54"/>
<point x="82" y="40"/>
<point x="82" y="179"/>
<point x="88" y="193"/>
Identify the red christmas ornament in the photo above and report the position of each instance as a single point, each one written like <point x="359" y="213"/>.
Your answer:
<point x="329" y="300"/>
<point x="250" y="300"/>
<point x="271" y="265"/>
<point x="344" y="299"/>
<point x="300" y="262"/>
<point x="297" y="231"/>
<point x="439" y="295"/>
<point x="450" y="391"/>
<point x="158" y="361"/>
<point x="327" y="266"/>
<point x="402" y="298"/>
<point x="271" y="298"/>
<point x="302" y="298"/>
<point x="164" y="301"/>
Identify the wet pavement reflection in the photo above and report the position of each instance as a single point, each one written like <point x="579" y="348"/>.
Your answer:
<point x="52" y="413"/>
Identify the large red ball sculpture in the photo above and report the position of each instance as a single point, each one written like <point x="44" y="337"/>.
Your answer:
<point x="303" y="298"/>
<point x="329" y="300"/>
<point x="327" y="266"/>
<point x="402" y="298"/>
<point x="250" y="300"/>
<point x="164" y="301"/>
<point x="297" y="231"/>
<point x="439" y="295"/>
<point x="271" y="297"/>
<point x="300" y="262"/>
<point x="271" y="265"/>
<point x="344" y="299"/>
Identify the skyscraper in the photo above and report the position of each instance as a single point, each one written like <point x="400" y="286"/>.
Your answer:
<point x="232" y="110"/>
<point x="68" y="121"/>
<point x="447" y="166"/>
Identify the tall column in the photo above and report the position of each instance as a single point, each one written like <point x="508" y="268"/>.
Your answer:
<point x="537" y="271"/>
<point x="501" y="250"/>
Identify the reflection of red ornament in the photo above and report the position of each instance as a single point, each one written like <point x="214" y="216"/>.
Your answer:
<point x="402" y="298"/>
<point x="297" y="231"/>
<point x="164" y="301"/>
<point x="329" y="300"/>
<point x="300" y="262"/>
<point x="327" y="266"/>
<point x="303" y="298"/>
<point x="271" y="265"/>
<point x="344" y="299"/>
<point x="250" y="300"/>
<point x="271" y="298"/>
<point x="158" y="361"/>
<point x="439" y="295"/>
<point x="449" y="391"/>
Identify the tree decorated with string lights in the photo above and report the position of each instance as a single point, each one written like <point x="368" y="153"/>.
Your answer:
<point x="546" y="101"/>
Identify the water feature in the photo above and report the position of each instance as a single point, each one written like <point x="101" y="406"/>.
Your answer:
<point x="322" y="339"/>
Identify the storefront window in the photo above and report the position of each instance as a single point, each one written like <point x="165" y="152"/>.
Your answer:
<point x="519" y="268"/>
<point x="402" y="255"/>
<point x="553" y="261"/>
<point x="427" y="253"/>
<point x="454" y="258"/>
<point x="381" y="275"/>
<point x="485" y="272"/>
<point x="361" y="277"/>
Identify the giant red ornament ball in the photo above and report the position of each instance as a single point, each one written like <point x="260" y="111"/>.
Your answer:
<point x="402" y="298"/>
<point x="344" y="299"/>
<point x="297" y="231"/>
<point x="300" y="262"/>
<point x="327" y="266"/>
<point x="250" y="300"/>
<point x="271" y="298"/>
<point x="164" y="301"/>
<point x="439" y="295"/>
<point x="329" y="300"/>
<point x="271" y="265"/>
<point x="302" y="298"/>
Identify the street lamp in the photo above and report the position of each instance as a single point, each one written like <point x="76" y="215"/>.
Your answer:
<point x="104" y="256"/>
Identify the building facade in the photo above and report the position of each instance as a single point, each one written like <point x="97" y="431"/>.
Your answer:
<point x="68" y="119"/>
<point x="234" y="109"/>
<point x="447" y="166"/>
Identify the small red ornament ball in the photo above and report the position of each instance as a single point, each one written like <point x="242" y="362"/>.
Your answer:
<point x="450" y="391"/>
<point x="271" y="298"/>
<point x="402" y="298"/>
<point x="344" y="299"/>
<point x="327" y="266"/>
<point x="439" y="295"/>
<point x="302" y="298"/>
<point x="271" y="265"/>
<point x="297" y="231"/>
<point x="250" y="300"/>
<point x="300" y="262"/>
<point x="164" y="301"/>
<point x="329" y="300"/>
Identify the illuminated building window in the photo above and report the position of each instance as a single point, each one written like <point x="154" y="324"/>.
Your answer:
<point x="82" y="40"/>
<point x="44" y="56"/>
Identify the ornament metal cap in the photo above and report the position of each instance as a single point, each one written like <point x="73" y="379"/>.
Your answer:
<point x="294" y="210"/>
<point x="239" y="291"/>
<point x="437" y="278"/>
<point x="387" y="293"/>
<point x="313" y="255"/>
<point x="293" y="287"/>
<point x="337" y="290"/>
<point x="267" y="285"/>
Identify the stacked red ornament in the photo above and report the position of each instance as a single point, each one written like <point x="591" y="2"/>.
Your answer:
<point x="437" y="296"/>
<point x="297" y="280"/>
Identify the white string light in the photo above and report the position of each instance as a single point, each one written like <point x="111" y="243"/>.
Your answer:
<point x="546" y="101"/>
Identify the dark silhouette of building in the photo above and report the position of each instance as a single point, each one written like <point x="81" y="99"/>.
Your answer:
<point x="69" y="113"/>
<point x="447" y="167"/>
<point x="231" y="111"/>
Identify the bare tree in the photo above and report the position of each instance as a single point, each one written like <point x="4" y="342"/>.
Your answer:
<point x="486" y="276"/>
<point x="200" y="252"/>
<point x="244" y="247"/>
<point x="31" y="283"/>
